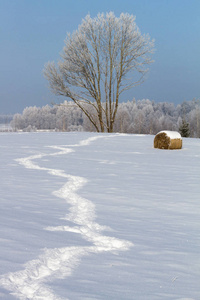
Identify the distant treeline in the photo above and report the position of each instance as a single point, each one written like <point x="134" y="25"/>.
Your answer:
<point x="139" y="117"/>
<point x="5" y="123"/>
<point x="5" y="119"/>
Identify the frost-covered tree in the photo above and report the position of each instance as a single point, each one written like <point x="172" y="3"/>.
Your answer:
<point x="123" y="119"/>
<point x="95" y="64"/>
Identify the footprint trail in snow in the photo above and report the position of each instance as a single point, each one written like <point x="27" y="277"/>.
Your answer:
<point x="29" y="283"/>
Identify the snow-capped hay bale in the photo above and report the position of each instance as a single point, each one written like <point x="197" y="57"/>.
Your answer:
<point x="168" y="140"/>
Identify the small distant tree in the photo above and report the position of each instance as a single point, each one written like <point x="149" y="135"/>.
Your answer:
<point x="184" y="128"/>
<point x="96" y="61"/>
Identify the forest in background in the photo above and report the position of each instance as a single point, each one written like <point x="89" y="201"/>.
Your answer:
<point x="138" y="117"/>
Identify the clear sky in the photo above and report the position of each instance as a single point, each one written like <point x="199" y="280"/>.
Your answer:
<point x="32" y="32"/>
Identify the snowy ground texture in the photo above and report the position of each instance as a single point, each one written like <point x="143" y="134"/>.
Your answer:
<point x="98" y="216"/>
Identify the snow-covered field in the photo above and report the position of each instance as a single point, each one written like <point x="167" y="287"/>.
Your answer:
<point x="98" y="216"/>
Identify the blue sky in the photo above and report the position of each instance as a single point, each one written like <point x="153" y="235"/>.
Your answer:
<point x="32" y="32"/>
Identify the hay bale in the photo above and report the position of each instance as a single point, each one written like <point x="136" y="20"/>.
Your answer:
<point x="168" y="140"/>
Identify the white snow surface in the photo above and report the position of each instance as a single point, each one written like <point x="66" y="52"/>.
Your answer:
<point x="172" y="134"/>
<point x="98" y="216"/>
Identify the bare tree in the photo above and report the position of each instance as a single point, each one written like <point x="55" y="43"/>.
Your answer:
<point x="95" y="64"/>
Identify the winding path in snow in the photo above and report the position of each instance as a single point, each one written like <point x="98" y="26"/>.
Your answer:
<point x="29" y="283"/>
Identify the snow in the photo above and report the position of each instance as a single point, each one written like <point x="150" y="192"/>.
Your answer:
<point x="172" y="134"/>
<point x="98" y="216"/>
